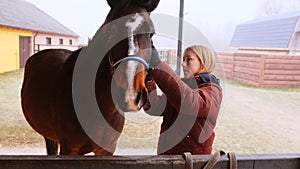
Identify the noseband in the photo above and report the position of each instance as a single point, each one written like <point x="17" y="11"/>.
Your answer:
<point x="135" y="58"/>
<point x="128" y="58"/>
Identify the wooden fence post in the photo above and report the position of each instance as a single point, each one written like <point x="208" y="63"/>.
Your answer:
<point x="262" y="70"/>
<point x="233" y="65"/>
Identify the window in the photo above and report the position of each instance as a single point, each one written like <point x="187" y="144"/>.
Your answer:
<point x="61" y="41"/>
<point x="70" y="42"/>
<point x="48" y="41"/>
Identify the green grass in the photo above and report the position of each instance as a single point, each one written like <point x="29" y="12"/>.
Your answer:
<point x="14" y="130"/>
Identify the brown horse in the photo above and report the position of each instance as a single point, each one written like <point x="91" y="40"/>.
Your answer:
<point x="51" y="98"/>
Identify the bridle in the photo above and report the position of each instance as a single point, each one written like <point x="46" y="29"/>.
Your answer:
<point x="114" y="65"/>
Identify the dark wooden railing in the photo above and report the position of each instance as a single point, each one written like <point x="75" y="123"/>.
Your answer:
<point x="244" y="161"/>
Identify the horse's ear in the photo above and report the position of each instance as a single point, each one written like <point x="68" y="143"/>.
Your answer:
<point x="112" y="3"/>
<point x="150" y="5"/>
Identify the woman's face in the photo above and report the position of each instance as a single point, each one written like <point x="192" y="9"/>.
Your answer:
<point x="191" y="64"/>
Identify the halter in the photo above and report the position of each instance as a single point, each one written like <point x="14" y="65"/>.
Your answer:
<point x="128" y="58"/>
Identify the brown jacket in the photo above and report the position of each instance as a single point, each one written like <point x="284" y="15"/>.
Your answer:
<point x="189" y="109"/>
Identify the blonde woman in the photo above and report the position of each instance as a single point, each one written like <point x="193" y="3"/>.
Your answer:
<point x="189" y="106"/>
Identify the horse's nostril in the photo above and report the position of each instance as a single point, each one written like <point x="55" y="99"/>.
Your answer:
<point x="141" y="98"/>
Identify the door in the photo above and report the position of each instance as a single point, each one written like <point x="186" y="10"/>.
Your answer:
<point x="25" y="49"/>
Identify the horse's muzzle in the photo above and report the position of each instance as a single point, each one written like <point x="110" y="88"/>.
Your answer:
<point x="132" y="104"/>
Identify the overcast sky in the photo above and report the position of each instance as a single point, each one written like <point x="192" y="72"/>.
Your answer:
<point x="214" y="18"/>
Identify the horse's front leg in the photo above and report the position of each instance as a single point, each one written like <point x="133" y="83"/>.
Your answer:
<point x="51" y="146"/>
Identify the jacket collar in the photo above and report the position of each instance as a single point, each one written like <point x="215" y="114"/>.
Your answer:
<point x="207" y="78"/>
<point x="201" y="79"/>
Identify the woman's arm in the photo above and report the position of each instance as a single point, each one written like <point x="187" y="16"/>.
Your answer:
<point x="155" y="105"/>
<point x="196" y="102"/>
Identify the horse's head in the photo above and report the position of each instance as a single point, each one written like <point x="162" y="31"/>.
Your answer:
<point x="129" y="30"/>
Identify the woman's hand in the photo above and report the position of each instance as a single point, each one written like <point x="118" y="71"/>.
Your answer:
<point x="155" y="60"/>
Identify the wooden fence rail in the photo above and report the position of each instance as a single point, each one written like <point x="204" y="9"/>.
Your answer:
<point x="261" y="70"/>
<point x="244" y="161"/>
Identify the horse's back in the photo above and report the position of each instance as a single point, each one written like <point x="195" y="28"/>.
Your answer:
<point x="42" y="74"/>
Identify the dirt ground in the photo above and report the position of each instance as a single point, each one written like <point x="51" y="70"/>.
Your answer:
<point x="257" y="120"/>
<point x="252" y="120"/>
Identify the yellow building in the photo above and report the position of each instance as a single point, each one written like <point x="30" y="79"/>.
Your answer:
<point x="10" y="48"/>
<point x="25" y="29"/>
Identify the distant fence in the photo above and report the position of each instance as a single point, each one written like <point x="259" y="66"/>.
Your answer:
<point x="168" y="55"/>
<point x="261" y="70"/>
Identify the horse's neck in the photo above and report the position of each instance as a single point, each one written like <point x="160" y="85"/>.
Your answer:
<point x="104" y="71"/>
<point x="103" y="89"/>
<point x="104" y="77"/>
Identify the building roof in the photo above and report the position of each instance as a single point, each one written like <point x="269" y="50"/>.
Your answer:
<point x="268" y="32"/>
<point x="21" y="14"/>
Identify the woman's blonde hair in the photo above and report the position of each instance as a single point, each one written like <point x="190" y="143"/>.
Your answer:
<point x="206" y="56"/>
